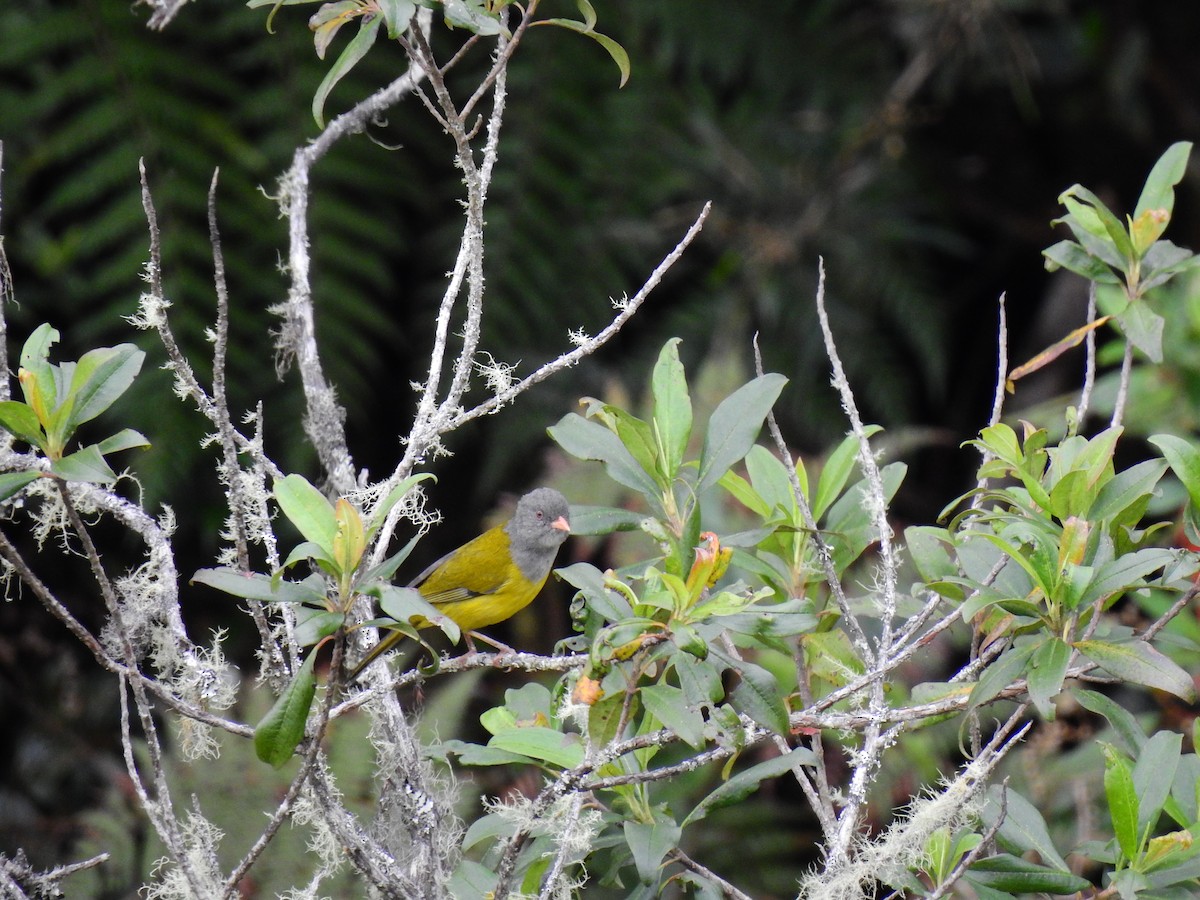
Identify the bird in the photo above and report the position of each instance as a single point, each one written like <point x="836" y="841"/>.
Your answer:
<point x="495" y="575"/>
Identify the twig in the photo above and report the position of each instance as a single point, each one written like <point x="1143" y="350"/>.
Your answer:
<point x="165" y="823"/>
<point x="1123" y="386"/>
<point x="823" y="550"/>
<point x="876" y="497"/>
<point x="726" y="888"/>
<point x="153" y="314"/>
<point x="1001" y="362"/>
<point x="283" y="809"/>
<point x="324" y="422"/>
<point x="1089" y="367"/>
<point x="6" y="296"/>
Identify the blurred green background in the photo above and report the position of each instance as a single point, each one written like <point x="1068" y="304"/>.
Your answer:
<point x="918" y="146"/>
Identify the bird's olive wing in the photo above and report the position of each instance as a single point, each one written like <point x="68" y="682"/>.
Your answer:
<point x="475" y="569"/>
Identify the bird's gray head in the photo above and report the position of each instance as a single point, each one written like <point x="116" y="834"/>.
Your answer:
<point x="537" y="529"/>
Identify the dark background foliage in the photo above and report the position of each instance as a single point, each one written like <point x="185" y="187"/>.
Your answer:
<point x="918" y="146"/>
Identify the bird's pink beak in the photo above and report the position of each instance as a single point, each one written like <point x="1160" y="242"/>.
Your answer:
<point x="561" y="524"/>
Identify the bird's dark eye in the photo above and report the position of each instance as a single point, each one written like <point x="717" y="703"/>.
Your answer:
<point x="540" y="514"/>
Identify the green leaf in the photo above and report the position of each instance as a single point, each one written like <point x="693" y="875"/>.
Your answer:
<point x="314" y="624"/>
<point x="37" y="381"/>
<point x="471" y="879"/>
<point x="670" y="706"/>
<point x="1162" y="262"/>
<point x="1168" y="171"/>
<point x="1125" y="572"/>
<point x="586" y="27"/>
<point x="471" y="16"/>
<point x="836" y="471"/>
<point x="1128" y="733"/>
<point x="100" y="377"/>
<point x="1023" y="826"/>
<point x="757" y="695"/>
<point x="1144" y="328"/>
<point x="597" y="520"/>
<point x="605" y="601"/>
<point x="649" y="844"/>
<point x="1096" y="211"/>
<point x="253" y="586"/>
<point x="19" y="420"/>
<point x="307" y="509"/>
<point x="770" y="481"/>
<point x="734" y="426"/>
<point x="1154" y="775"/>
<point x="672" y="409"/>
<point x="405" y="604"/>
<point x="1122" y="799"/>
<point x="1010" y="666"/>
<point x="590" y="440"/>
<point x="386" y="569"/>
<point x="746" y="782"/>
<point x="85" y="464"/>
<point x="355" y="51"/>
<point x="310" y="550"/>
<point x="282" y="728"/>
<point x="1072" y="257"/>
<point x="1140" y="663"/>
<point x="638" y="438"/>
<point x="1125" y="490"/>
<point x="1184" y="459"/>
<point x="1005" y="872"/>
<point x="11" y="483"/>
<point x="475" y="755"/>
<point x="541" y="743"/>
<point x="1047" y="669"/>
<point x="700" y="680"/>
<point x="397" y="14"/>
<point x="125" y="439"/>
<point x="927" y="546"/>
<point x="604" y="718"/>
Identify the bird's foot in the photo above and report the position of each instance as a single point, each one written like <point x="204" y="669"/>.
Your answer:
<point x="502" y="648"/>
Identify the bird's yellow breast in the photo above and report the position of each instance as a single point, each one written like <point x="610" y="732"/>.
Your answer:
<point x="479" y="585"/>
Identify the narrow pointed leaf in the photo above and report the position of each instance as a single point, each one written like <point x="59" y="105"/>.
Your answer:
<point x="282" y="728"/>
<point x="1122" y="800"/>
<point x="100" y="377"/>
<point x="746" y="782"/>
<point x="1014" y="875"/>
<point x="355" y="51"/>
<point x="1154" y="775"/>
<point x="307" y="509"/>
<point x="254" y="586"/>
<point x="541" y="743"/>
<point x="836" y="471"/>
<point x="1128" y="733"/>
<point x="1140" y="663"/>
<point x="757" y="695"/>
<point x="84" y="465"/>
<point x="1055" y="350"/>
<point x="649" y="843"/>
<point x="734" y="426"/>
<point x="590" y="440"/>
<point x="19" y="420"/>
<point x="11" y="483"/>
<point x="672" y="408"/>
<point x="125" y="439"/>
<point x="1184" y="460"/>
<point x="1159" y="191"/>
<point x="1047" y="668"/>
<point x="1023" y="826"/>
